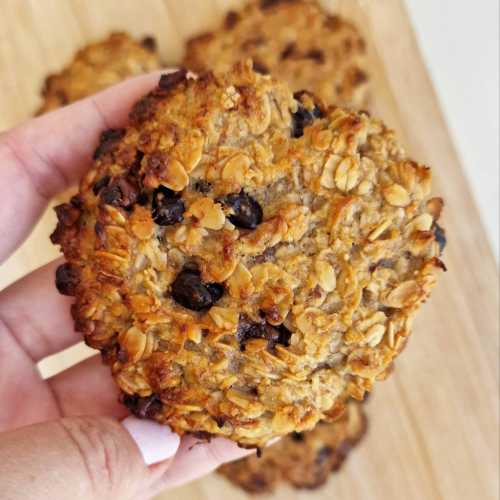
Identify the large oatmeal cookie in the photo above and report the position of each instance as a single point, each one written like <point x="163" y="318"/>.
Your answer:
<point x="97" y="66"/>
<point x="304" y="460"/>
<point x="245" y="259"/>
<point x="297" y="42"/>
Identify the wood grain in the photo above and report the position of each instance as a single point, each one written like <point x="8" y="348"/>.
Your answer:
<point x="434" y="424"/>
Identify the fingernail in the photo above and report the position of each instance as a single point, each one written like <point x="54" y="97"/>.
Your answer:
<point x="156" y="442"/>
<point x="273" y="441"/>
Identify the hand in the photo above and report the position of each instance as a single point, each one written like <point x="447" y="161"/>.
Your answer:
<point x="63" y="437"/>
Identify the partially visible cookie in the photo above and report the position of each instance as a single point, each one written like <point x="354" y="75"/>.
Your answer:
<point x="304" y="460"/>
<point x="97" y="66"/>
<point x="294" y="40"/>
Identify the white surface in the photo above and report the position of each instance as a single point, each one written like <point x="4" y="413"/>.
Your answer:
<point x="460" y="43"/>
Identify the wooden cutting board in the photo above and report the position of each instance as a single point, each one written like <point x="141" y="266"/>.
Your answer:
<point x="434" y="424"/>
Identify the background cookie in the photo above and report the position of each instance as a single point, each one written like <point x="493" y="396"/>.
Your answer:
<point x="296" y="41"/>
<point x="244" y="259"/>
<point x="304" y="460"/>
<point x="97" y="66"/>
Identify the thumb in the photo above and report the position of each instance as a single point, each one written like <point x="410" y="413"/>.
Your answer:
<point x="83" y="458"/>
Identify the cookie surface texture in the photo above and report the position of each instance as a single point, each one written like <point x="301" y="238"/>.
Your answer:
<point x="98" y="66"/>
<point x="303" y="461"/>
<point x="245" y="259"/>
<point x="296" y="41"/>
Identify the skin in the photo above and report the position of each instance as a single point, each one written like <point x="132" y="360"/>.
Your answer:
<point x="67" y="426"/>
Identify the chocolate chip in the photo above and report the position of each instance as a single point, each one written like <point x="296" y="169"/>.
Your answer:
<point x="146" y="407"/>
<point x="284" y="335"/>
<point x="248" y="330"/>
<point x="440" y="235"/>
<point x="76" y="201"/>
<point x="202" y="186"/>
<point x="260" y="67"/>
<point x="216" y="291"/>
<point x="120" y="193"/>
<point x="164" y="192"/>
<point x="247" y="213"/>
<point x="143" y="199"/>
<point x="303" y="117"/>
<point x="288" y="51"/>
<point x="316" y="55"/>
<point x="220" y="421"/>
<point x="167" y="207"/>
<point x="100" y="184"/>
<point x="149" y="43"/>
<point x="190" y="292"/>
<point x="297" y="437"/>
<point x="108" y="141"/>
<point x="112" y="195"/>
<point x="323" y="455"/>
<point x="67" y="279"/>
<point x="122" y="355"/>
<point x="232" y="19"/>
<point x="170" y="80"/>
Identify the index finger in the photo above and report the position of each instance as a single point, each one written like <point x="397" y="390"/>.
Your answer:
<point x="47" y="154"/>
